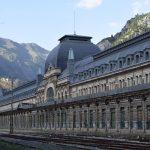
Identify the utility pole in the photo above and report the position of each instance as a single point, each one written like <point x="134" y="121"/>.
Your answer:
<point x="11" y="114"/>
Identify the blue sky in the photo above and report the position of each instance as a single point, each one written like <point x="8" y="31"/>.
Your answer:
<point x="45" y="21"/>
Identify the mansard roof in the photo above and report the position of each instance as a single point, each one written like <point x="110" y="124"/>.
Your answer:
<point x="28" y="89"/>
<point x="130" y="47"/>
<point x="81" y="45"/>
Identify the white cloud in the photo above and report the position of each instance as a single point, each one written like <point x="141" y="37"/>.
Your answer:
<point x="89" y="3"/>
<point x="138" y="5"/>
<point x="113" y="24"/>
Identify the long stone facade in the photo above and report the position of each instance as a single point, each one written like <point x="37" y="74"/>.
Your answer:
<point x="104" y="93"/>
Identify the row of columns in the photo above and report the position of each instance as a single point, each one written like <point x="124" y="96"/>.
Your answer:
<point x="77" y="118"/>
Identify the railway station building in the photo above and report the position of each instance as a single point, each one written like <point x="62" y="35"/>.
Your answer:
<point x="85" y="91"/>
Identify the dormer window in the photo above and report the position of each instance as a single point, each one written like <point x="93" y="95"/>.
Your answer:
<point x="75" y="77"/>
<point x="147" y="55"/>
<point x="96" y="71"/>
<point x="85" y="74"/>
<point x="90" y="73"/>
<point x="128" y="61"/>
<point x="111" y="67"/>
<point x="80" y="76"/>
<point x="137" y="58"/>
<point x="120" y="64"/>
<point x="102" y="69"/>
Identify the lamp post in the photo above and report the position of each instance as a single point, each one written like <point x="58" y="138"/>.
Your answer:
<point x="11" y="114"/>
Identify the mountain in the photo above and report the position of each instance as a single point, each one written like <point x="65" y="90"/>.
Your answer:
<point x="135" y="26"/>
<point x="21" y="61"/>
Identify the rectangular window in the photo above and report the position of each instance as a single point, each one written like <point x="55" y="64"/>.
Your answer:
<point x="139" y="117"/>
<point x="65" y="119"/>
<point x="148" y="117"/>
<point x="85" y="119"/>
<point x="131" y="117"/>
<point x="91" y="118"/>
<point x="128" y="80"/>
<point x="122" y="118"/>
<point x="74" y="119"/>
<point x="112" y="118"/>
<point x="141" y="80"/>
<point x="132" y="81"/>
<point x="80" y="119"/>
<point x="137" y="80"/>
<point x="98" y="118"/>
<point x="53" y="119"/>
<point x="62" y="120"/>
<point x="146" y="78"/>
<point x="103" y="118"/>
<point x="58" y="119"/>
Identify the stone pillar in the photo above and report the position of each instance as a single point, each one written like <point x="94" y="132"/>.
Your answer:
<point x="96" y="119"/>
<point x="55" y="118"/>
<point x="37" y="119"/>
<point x="69" y="119"/>
<point x="107" y="116"/>
<point x="144" y="114"/>
<point x="88" y="117"/>
<point x="45" y="119"/>
<point x="135" y="117"/>
<point x="66" y="109"/>
<point x="100" y="117"/>
<point x="47" y="115"/>
<point x="81" y="117"/>
<point x="126" y="117"/>
<point x="48" y="119"/>
<point x="117" y="116"/>
<point x="129" y="115"/>
<point x="78" y="117"/>
<point x="60" y="119"/>
<point x="33" y="120"/>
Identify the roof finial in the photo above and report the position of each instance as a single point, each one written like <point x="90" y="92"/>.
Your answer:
<point x="74" y="22"/>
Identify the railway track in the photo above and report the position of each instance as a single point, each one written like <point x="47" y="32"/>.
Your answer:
<point x="108" y="144"/>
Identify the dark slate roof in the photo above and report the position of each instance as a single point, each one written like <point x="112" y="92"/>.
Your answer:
<point x="81" y="45"/>
<point x="129" y="47"/>
<point x="26" y="90"/>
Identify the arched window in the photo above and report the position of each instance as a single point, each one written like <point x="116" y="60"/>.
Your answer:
<point x="50" y="93"/>
<point x="90" y="90"/>
<point x="137" y="59"/>
<point x="58" y="95"/>
<point x="105" y="87"/>
<point x="62" y="96"/>
<point x="86" y="90"/>
<point x="81" y="92"/>
<point x="66" y="95"/>
<point x="147" y="56"/>
<point x="120" y="83"/>
<point x="95" y="89"/>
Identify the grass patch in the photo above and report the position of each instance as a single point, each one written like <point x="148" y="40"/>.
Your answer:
<point x="11" y="146"/>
